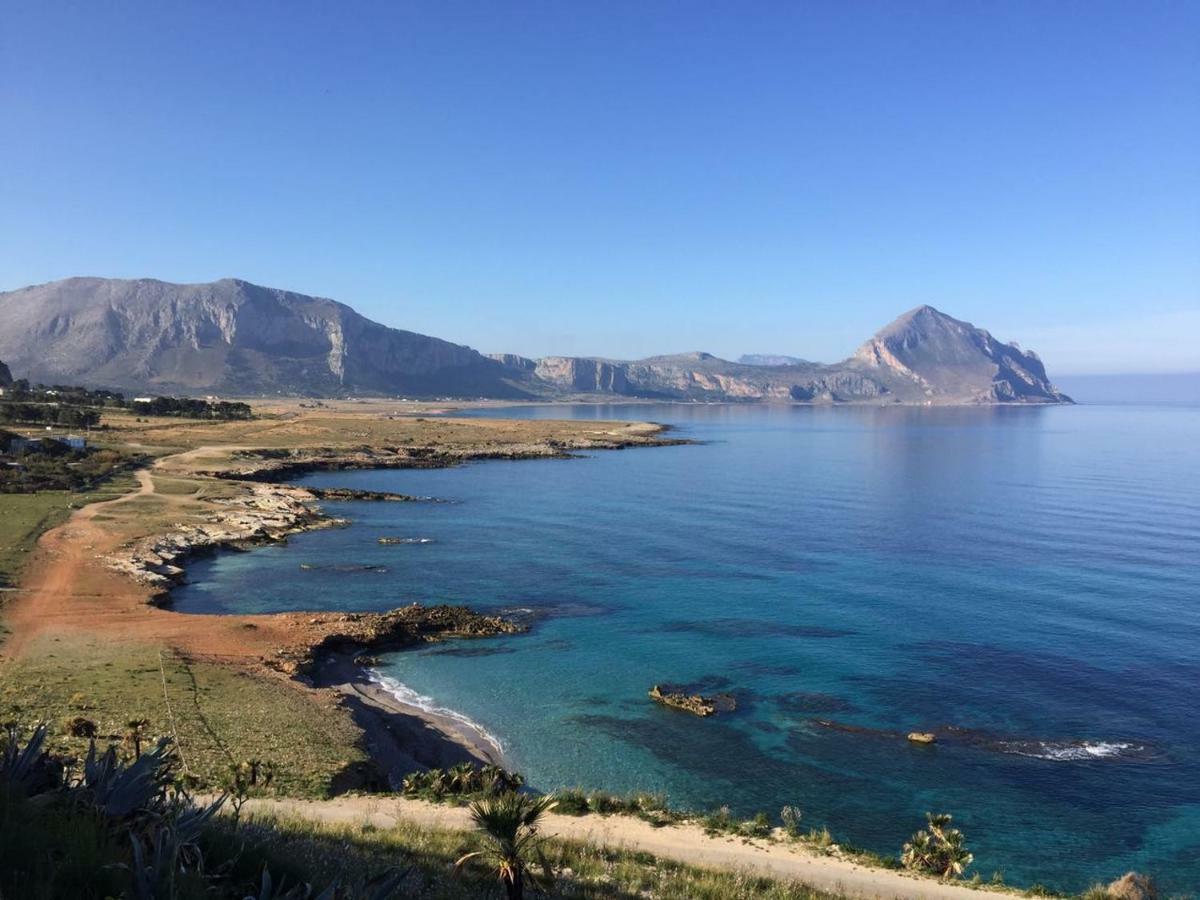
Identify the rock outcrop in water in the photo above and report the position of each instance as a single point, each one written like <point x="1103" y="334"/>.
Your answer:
<point x="696" y="704"/>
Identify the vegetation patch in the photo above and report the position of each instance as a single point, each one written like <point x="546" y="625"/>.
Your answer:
<point x="27" y="516"/>
<point x="221" y="718"/>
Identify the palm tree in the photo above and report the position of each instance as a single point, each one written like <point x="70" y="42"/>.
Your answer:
<point x="462" y="778"/>
<point x="939" y="851"/>
<point x="508" y="824"/>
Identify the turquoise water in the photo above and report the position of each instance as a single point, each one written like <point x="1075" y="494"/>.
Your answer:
<point x="1025" y="577"/>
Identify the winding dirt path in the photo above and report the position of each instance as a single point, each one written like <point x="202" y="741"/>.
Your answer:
<point x="682" y="843"/>
<point x="68" y="589"/>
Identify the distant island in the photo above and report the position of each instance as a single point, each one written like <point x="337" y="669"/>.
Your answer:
<point x="234" y="338"/>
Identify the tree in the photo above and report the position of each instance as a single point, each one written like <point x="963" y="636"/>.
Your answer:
<point x="508" y="825"/>
<point x="939" y="851"/>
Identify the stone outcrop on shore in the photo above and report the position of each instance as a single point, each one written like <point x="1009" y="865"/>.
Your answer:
<point x="266" y="513"/>
<point x="363" y="634"/>
<point x="337" y="493"/>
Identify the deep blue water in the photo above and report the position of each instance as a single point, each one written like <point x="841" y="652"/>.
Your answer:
<point x="1027" y="575"/>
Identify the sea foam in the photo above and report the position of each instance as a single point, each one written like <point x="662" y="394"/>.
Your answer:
<point x="409" y="697"/>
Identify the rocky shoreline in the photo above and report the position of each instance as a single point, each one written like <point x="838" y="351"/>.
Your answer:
<point x="270" y="465"/>
<point x="265" y="514"/>
<point x="335" y="650"/>
<point x="270" y="511"/>
<point x="357" y="635"/>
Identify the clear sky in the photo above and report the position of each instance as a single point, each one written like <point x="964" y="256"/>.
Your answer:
<point x="625" y="179"/>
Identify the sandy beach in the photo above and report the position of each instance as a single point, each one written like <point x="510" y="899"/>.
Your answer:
<point x="401" y="737"/>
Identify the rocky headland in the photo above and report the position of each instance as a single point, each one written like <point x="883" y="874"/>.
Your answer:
<point x="358" y="635"/>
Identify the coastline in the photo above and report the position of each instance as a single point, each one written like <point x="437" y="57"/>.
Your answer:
<point x="107" y="573"/>
<point x="400" y="737"/>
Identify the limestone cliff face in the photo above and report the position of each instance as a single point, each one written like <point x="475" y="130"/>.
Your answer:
<point x="581" y="374"/>
<point x="702" y="376"/>
<point x="228" y="337"/>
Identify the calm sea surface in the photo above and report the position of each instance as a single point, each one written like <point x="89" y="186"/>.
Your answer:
<point x="1025" y="582"/>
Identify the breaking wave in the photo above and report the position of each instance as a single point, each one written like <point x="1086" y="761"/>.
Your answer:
<point x="409" y="697"/>
<point x="1072" y="751"/>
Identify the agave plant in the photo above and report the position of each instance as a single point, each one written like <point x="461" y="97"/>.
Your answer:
<point x="168" y="849"/>
<point x="118" y="790"/>
<point x="379" y="888"/>
<point x="939" y="851"/>
<point x="24" y="769"/>
<point x="508" y="826"/>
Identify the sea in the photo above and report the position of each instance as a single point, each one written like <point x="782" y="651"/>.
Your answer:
<point x="1023" y="582"/>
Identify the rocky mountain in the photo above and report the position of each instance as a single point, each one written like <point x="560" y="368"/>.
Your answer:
<point x="946" y="358"/>
<point x="925" y="356"/>
<point x="228" y="337"/>
<point x="234" y="338"/>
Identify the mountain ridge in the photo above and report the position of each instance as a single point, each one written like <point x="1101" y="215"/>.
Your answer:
<point x="239" y="339"/>
<point x="229" y="336"/>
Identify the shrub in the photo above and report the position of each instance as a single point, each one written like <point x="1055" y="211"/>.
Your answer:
<point x="791" y="816"/>
<point x="463" y="781"/>
<point x="572" y="802"/>
<point x="940" y="850"/>
<point x="758" y="827"/>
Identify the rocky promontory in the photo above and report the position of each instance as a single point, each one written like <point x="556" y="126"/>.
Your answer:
<point x="357" y="634"/>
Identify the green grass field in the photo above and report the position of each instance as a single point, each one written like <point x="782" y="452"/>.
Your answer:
<point x="219" y="716"/>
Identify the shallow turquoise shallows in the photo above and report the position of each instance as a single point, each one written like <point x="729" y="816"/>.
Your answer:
<point x="1024" y="582"/>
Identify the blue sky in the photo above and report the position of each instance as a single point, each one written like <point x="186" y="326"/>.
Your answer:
<point x="625" y="179"/>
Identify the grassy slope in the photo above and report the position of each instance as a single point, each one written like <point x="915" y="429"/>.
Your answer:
<point x="23" y="518"/>
<point x="220" y="716"/>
